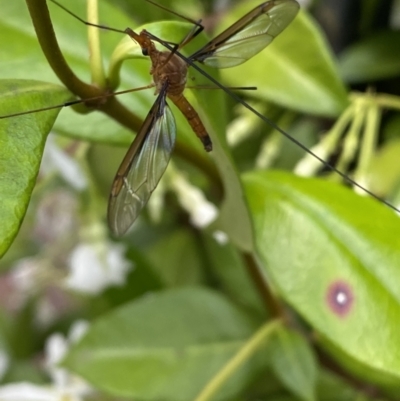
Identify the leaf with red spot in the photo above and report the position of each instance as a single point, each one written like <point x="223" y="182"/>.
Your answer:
<point x="334" y="256"/>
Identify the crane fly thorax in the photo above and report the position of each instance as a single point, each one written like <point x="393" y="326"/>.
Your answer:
<point x="171" y="68"/>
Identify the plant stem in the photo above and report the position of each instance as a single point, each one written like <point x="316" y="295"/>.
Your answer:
<point x="46" y="36"/>
<point x="389" y="101"/>
<point x="352" y="138"/>
<point x="246" y="352"/>
<point x="271" y="303"/>
<point x="383" y="100"/>
<point x="369" y="139"/>
<point x="95" y="59"/>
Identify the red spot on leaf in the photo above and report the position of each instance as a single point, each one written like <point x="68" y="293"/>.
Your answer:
<point x="340" y="298"/>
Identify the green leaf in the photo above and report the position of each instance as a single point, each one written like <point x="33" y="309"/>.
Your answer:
<point x="22" y="370"/>
<point x="334" y="388"/>
<point x="164" y="346"/>
<point x="335" y="257"/>
<point x="228" y="265"/>
<point x="294" y="363"/>
<point x="296" y="71"/>
<point x="374" y="58"/>
<point x="176" y="259"/>
<point x="22" y="141"/>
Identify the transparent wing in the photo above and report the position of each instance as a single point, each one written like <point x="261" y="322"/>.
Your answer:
<point x="143" y="166"/>
<point x="248" y="36"/>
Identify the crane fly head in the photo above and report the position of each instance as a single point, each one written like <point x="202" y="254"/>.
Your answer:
<point x="143" y="40"/>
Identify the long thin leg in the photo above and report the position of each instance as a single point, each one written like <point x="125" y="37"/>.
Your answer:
<point x="242" y="88"/>
<point x="86" y="22"/>
<point x="175" y="13"/>
<point x="192" y="34"/>
<point x="78" y="101"/>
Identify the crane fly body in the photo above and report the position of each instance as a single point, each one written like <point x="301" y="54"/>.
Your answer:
<point x="167" y="68"/>
<point x="149" y="154"/>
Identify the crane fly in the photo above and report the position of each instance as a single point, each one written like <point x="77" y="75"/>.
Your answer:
<point x="148" y="156"/>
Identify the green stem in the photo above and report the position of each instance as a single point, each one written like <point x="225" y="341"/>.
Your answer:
<point x="388" y="101"/>
<point x="246" y="352"/>
<point x="270" y="301"/>
<point x="352" y="137"/>
<point x="382" y="100"/>
<point x="370" y="137"/>
<point x="309" y="165"/>
<point x="95" y="59"/>
<point x="338" y="128"/>
<point x="45" y="33"/>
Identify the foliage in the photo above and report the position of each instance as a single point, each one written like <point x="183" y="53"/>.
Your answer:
<point x="240" y="280"/>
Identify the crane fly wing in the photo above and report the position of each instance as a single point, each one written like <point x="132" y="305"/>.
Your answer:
<point x="248" y="36"/>
<point x="143" y="166"/>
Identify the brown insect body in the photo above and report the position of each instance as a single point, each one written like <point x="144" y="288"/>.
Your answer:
<point x="166" y="66"/>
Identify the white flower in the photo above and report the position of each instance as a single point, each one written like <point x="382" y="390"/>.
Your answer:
<point x="56" y="347"/>
<point x="201" y="211"/>
<point x="96" y="265"/>
<point x="28" y="392"/>
<point x="65" y="386"/>
<point x="309" y="164"/>
<point x="221" y="237"/>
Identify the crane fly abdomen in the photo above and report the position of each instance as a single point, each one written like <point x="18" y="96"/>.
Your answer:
<point x="193" y="119"/>
<point x="167" y="67"/>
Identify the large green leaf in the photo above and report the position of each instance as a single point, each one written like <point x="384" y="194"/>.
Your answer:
<point x="229" y="267"/>
<point x="165" y="346"/>
<point x="374" y="58"/>
<point x="297" y="70"/>
<point x="22" y="141"/>
<point x="176" y="259"/>
<point x="335" y="257"/>
<point x="294" y="363"/>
